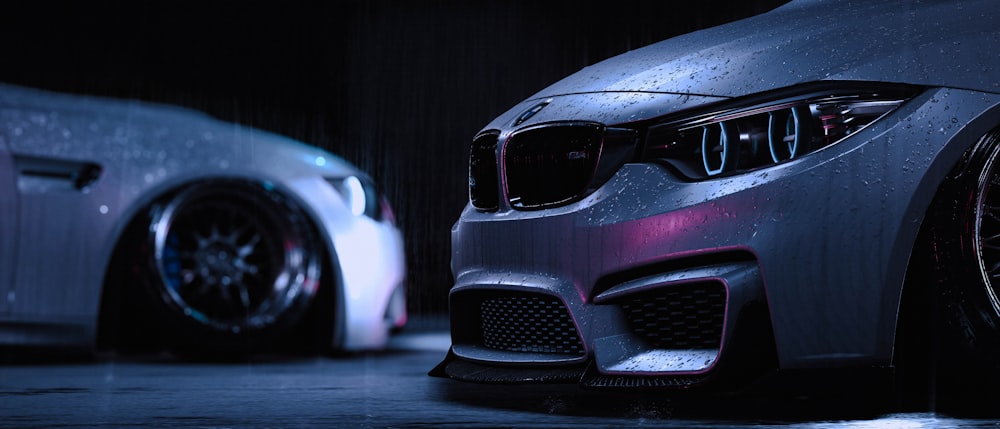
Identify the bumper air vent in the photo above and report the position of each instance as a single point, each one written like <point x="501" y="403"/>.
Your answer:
<point x="680" y="317"/>
<point x="529" y="323"/>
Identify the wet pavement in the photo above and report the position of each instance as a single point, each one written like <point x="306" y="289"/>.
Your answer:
<point x="389" y="389"/>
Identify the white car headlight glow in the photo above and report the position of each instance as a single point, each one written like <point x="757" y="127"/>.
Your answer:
<point x="359" y="195"/>
<point x="355" y="195"/>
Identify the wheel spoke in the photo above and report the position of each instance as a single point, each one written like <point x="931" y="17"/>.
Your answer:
<point x="244" y="297"/>
<point x="992" y="242"/>
<point x="248" y="248"/>
<point x="994" y="270"/>
<point x="989" y="231"/>
<point x="992" y="212"/>
<point x="232" y="255"/>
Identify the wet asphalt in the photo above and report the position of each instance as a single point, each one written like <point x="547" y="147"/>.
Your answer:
<point x="388" y="389"/>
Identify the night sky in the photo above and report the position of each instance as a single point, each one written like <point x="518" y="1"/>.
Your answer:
<point x="396" y="87"/>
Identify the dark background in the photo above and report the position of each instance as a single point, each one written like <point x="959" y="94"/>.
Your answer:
<point x="396" y="87"/>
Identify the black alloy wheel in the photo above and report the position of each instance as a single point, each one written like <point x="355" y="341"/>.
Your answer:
<point x="961" y="312"/>
<point x="230" y="264"/>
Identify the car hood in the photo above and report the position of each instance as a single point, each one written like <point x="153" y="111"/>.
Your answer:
<point x="139" y="137"/>
<point x="934" y="43"/>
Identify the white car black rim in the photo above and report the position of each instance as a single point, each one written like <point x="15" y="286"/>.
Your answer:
<point x="233" y="256"/>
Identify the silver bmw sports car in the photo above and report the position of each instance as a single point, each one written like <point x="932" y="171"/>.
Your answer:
<point x="806" y="189"/>
<point x="127" y="224"/>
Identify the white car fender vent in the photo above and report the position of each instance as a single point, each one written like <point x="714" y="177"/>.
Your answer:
<point x="38" y="174"/>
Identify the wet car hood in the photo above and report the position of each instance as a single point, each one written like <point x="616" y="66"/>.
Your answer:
<point x="923" y="43"/>
<point x="142" y="136"/>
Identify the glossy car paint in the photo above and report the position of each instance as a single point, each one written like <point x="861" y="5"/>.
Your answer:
<point x="57" y="239"/>
<point x="827" y="236"/>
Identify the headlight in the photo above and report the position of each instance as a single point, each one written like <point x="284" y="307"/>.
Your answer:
<point x="360" y="196"/>
<point x="556" y="163"/>
<point x="731" y="140"/>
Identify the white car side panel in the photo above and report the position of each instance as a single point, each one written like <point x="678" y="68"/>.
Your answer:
<point x="57" y="258"/>
<point x="8" y="229"/>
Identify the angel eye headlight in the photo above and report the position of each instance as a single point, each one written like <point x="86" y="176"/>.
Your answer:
<point x="733" y="140"/>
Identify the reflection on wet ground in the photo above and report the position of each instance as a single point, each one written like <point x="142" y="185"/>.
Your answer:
<point x="386" y="389"/>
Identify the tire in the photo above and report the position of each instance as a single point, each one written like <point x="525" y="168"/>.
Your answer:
<point x="963" y="251"/>
<point x="226" y="267"/>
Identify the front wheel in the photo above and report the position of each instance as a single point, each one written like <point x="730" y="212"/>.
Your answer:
<point x="228" y="266"/>
<point x="964" y="251"/>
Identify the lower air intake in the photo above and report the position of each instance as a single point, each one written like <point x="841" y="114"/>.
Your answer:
<point x="529" y="323"/>
<point x="688" y="317"/>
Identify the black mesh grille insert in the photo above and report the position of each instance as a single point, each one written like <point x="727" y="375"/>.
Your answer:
<point x="679" y="317"/>
<point x="529" y="323"/>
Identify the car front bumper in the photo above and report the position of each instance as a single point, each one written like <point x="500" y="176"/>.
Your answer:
<point x="656" y="280"/>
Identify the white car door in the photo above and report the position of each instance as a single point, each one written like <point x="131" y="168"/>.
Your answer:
<point x="8" y="229"/>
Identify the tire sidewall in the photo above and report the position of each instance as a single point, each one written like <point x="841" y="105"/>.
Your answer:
<point x="168" y="323"/>
<point x="969" y="329"/>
